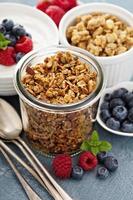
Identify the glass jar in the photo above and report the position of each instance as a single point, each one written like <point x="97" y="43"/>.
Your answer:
<point x="51" y="128"/>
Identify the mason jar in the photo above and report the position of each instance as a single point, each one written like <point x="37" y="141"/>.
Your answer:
<point x="57" y="128"/>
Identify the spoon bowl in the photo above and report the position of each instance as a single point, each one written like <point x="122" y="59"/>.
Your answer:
<point x="10" y="122"/>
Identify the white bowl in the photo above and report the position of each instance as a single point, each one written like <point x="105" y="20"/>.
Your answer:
<point x="43" y="30"/>
<point x="129" y="87"/>
<point x="117" y="68"/>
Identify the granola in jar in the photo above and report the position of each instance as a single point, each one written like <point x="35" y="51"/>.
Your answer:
<point x="101" y="34"/>
<point x="59" y="89"/>
<point x="60" y="79"/>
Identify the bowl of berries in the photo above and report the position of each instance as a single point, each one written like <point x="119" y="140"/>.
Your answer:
<point x="56" y="9"/>
<point x="22" y="29"/>
<point x="115" y="112"/>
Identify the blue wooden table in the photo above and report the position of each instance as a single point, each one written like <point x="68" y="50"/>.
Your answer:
<point x="118" y="186"/>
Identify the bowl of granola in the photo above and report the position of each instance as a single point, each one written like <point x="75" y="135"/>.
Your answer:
<point x="106" y="31"/>
<point x="59" y="89"/>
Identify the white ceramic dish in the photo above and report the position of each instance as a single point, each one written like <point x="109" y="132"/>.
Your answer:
<point x="38" y="24"/>
<point x="117" y="68"/>
<point x="128" y="86"/>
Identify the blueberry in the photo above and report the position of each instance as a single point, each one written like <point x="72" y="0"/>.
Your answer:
<point x="2" y="29"/>
<point x="113" y="123"/>
<point x="120" y="112"/>
<point x="130" y="104"/>
<point x="18" y="30"/>
<point x="12" y="38"/>
<point x="111" y="163"/>
<point x="29" y="35"/>
<point x="102" y="173"/>
<point x="130" y="115"/>
<point x="116" y="102"/>
<point x="8" y="24"/>
<point x="105" y="105"/>
<point x="105" y="114"/>
<point x="128" y="97"/>
<point x="101" y="156"/>
<point x="119" y="93"/>
<point x="127" y="127"/>
<point x="77" y="172"/>
<point x="107" y="97"/>
<point x="19" y="56"/>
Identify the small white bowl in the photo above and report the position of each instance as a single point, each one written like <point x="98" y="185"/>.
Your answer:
<point x="117" y="68"/>
<point x="129" y="87"/>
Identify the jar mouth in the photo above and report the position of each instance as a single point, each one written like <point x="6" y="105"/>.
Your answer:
<point x="42" y="53"/>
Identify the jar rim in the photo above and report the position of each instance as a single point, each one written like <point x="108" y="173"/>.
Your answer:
<point x="33" y="101"/>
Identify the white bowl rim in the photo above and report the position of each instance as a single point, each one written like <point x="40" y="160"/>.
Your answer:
<point x="96" y="4"/>
<point x="125" y="84"/>
<point x="33" y="8"/>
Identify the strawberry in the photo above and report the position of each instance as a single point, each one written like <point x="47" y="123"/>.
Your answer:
<point x="7" y="56"/>
<point x="43" y="5"/>
<point x="24" y="44"/>
<point x="87" y="161"/>
<point x="62" y="166"/>
<point x="56" y="13"/>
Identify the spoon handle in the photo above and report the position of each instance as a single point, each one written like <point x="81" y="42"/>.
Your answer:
<point x="32" y="195"/>
<point x="48" y="184"/>
<point x="29" y="169"/>
<point x="63" y="194"/>
<point x="18" y="159"/>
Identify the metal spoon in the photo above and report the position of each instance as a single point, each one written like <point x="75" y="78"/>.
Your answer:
<point x="29" y="191"/>
<point x="10" y="129"/>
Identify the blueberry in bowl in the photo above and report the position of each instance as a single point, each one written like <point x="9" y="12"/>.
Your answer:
<point x="116" y="102"/>
<point x="120" y="113"/>
<point x="105" y="115"/>
<point x="119" y="93"/>
<point x="115" y="112"/>
<point x="105" y="105"/>
<point x="127" y="127"/>
<point x="113" y="123"/>
<point x="130" y="115"/>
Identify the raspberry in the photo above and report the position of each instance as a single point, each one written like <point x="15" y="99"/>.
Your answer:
<point x="87" y="161"/>
<point x="7" y="56"/>
<point x="43" y="5"/>
<point x="72" y="4"/>
<point x="56" y="13"/>
<point x="62" y="166"/>
<point x="64" y="4"/>
<point x="24" y="45"/>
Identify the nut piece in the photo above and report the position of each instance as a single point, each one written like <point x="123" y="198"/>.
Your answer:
<point x="101" y="34"/>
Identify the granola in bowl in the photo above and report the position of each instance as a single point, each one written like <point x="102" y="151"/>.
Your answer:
<point x="101" y="34"/>
<point x="59" y="100"/>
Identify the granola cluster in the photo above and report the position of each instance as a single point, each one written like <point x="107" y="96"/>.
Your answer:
<point x="101" y="34"/>
<point x="60" y="79"/>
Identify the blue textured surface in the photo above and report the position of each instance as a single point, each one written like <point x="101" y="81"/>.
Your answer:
<point x="118" y="186"/>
